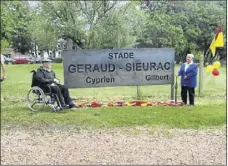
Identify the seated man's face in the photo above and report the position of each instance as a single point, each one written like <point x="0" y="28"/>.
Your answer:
<point x="47" y="65"/>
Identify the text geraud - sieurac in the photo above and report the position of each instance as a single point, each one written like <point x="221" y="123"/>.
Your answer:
<point x="129" y="64"/>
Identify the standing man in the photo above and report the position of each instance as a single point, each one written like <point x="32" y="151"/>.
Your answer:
<point x="3" y="67"/>
<point x="188" y="72"/>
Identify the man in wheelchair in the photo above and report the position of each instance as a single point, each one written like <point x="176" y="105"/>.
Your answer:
<point x="45" y="77"/>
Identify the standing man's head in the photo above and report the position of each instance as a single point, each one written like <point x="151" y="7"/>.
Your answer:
<point x="46" y="63"/>
<point x="189" y="58"/>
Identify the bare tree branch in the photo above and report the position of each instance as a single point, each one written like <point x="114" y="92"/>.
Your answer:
<point x="105" y="12"/>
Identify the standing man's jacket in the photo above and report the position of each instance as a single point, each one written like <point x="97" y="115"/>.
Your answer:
<point x="191" y="73"/>
<point x="44" y="77"/>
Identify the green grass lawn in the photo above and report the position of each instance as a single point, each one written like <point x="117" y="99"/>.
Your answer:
<point x="210" y="109"/>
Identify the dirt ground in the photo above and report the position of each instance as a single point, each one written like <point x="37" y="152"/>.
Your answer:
<point x="53" y="145"/>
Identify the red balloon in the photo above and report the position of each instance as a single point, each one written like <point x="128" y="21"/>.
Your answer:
<point x="215" y="72"/>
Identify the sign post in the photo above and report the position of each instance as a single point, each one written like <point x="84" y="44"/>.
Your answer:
<point x="139" y="95"/>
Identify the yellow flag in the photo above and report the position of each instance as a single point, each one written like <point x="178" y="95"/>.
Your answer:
<point x="218" y="41"/>
<point x="212" y="47"/>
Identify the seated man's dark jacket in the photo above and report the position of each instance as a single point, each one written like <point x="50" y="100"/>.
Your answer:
<point x="44" y="77"/>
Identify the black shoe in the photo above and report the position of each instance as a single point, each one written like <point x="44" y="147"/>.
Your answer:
<point x="72" y="105"/>
<point x="65" y="106"/>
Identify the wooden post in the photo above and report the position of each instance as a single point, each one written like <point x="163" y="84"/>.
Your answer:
<point x="201" y="64"/>
<point x="139" y="93"/>
<point x="172" y="91"/>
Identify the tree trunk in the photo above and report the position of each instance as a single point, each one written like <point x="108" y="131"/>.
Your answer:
<point x="48" y="53"/>
<point x="42" y="53"/>
<point x="69" y="44"/>
<point x="53" y="54"/>
<point x="35" y="50"/>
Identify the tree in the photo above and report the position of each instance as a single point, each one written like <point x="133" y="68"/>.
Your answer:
<point x="162" y="30"/>
<point x="43" y="32"/>
<point x="94" y="24"/>
<point x="188" y="26"/>
<point x="14" y="20"/>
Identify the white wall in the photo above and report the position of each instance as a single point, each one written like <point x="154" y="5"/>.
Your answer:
<point x="46" y="55"/>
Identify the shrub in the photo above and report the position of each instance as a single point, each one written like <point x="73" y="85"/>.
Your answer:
<point x="57" y="60"/>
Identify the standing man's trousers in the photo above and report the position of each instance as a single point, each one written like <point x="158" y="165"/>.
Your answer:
<point x="190" y="91"/>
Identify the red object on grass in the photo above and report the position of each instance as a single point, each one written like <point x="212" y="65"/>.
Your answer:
<point x="138" y="102"/>
<point x="215" y="72"/>
<point x="133" y="103"/>
<point x="95" y="104"/>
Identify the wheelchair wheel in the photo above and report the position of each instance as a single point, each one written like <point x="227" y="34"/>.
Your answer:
<point x="36" y="99"/>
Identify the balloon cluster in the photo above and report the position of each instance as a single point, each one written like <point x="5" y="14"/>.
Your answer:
<point x="214" y="68"/>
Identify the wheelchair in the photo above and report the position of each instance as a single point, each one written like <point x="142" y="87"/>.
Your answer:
<point x="38" y="98"/>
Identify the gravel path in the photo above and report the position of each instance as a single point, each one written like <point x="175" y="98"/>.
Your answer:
<point x="67" y="145"/>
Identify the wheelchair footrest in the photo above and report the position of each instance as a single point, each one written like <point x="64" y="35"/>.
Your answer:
<point x="51" y="102"/>
<point x="57" y="108"/>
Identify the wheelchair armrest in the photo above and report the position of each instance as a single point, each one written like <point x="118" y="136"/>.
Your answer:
<point x="32" y="71"/>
